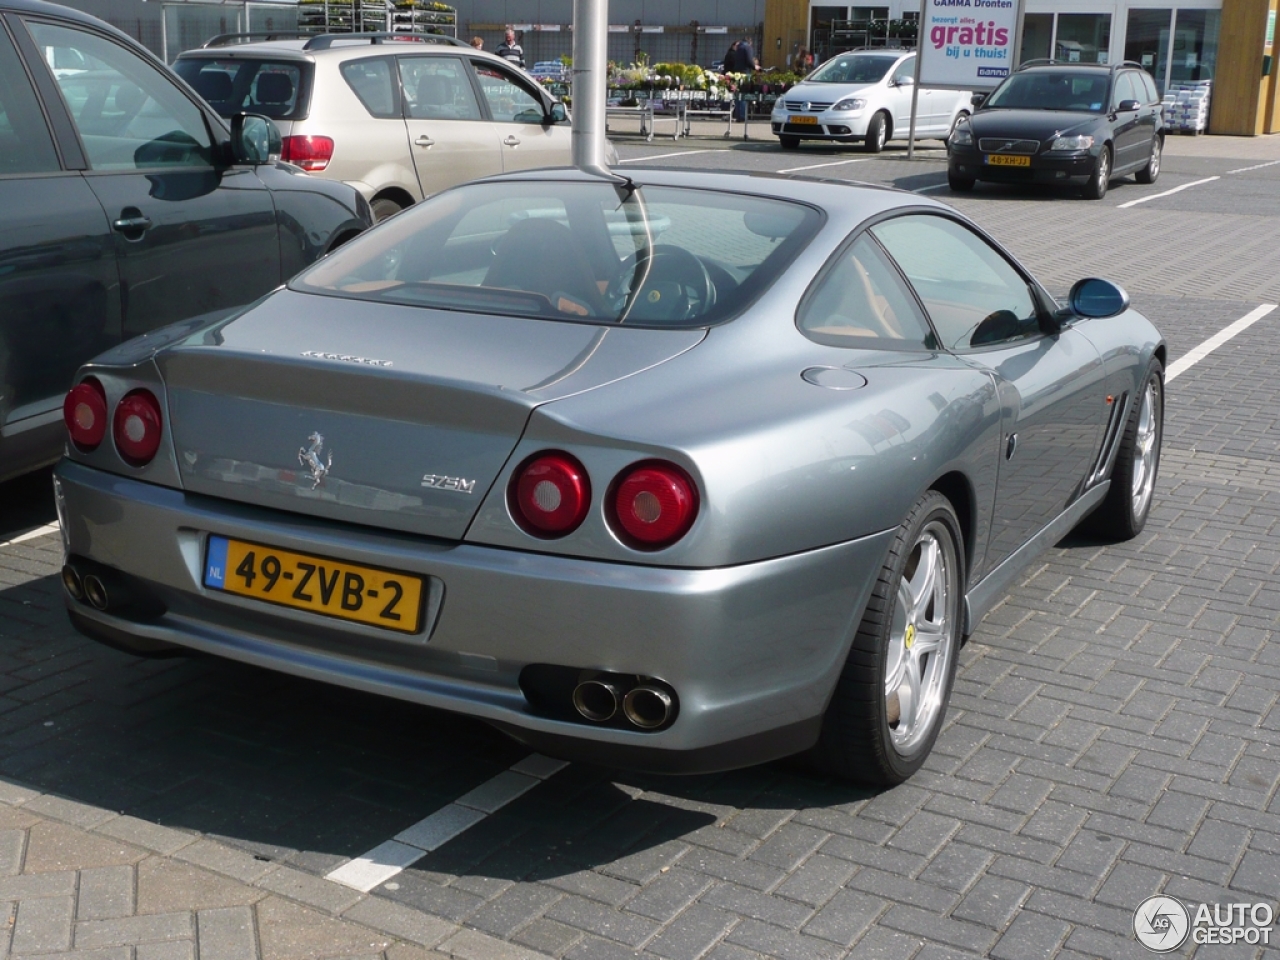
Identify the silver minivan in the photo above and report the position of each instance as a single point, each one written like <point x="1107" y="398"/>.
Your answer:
<point x="397" y="116"/>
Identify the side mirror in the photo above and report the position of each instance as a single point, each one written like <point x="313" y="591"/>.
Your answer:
<point x="558" y="114"/>
<point x="1128" y="106"/>
<point x="977" y="100"/>
<point x="904" y="82"/>
<point x="1097" y="298"/>
<point x="254" y="139"/>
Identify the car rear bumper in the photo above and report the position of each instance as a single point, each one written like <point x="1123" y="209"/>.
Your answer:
<point x="1044" y="168"/>
<point x="751" y="651"/>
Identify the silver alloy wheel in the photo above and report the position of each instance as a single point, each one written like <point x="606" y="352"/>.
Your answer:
<point x="1145" y="450"/>
<point x="882" y="136"/>
<point x="921" y="639"/>
<point x="1104" y="170"/>
<point x="1153" y="165"/>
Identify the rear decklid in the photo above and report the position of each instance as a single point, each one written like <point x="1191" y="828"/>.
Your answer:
<point x="380" y="414"/>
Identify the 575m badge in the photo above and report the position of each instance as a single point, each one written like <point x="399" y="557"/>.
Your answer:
<point x="438" y="481"/>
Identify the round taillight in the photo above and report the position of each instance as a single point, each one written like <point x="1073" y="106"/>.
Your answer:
<point x="550" y="494"/>
<point x="85" y="413"/>
<point x="654" y="504"/>
<point x="137" y="427"/>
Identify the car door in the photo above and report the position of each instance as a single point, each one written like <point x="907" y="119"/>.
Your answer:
<point x="900" y="84"/>
<point x="1132" y="138"/>
<point x="59" y="292"/>
<point x="519" y="112"/>
<point x="191" y="235"/>
<point x="450" y="138"/>
<point x="1052" y="389"/>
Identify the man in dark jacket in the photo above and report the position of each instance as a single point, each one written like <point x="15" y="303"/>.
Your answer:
<point x="510" y="50"/>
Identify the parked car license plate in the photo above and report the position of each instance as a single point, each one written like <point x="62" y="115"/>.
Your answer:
<point x="804" y="120"/>
<point x="1007" y="160"/>
<point x="347" y="591"/>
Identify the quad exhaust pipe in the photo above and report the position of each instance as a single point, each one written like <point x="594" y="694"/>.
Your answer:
<point x="645" y="703"/>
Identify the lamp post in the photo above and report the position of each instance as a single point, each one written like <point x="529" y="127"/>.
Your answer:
<point x="590" y="85"/>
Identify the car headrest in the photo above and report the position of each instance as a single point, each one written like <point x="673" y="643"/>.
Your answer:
<point x="213" y="85"/>
<point x="274" y="88"/>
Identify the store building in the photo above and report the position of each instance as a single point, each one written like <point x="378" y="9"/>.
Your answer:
<point x="1228" y="42"/>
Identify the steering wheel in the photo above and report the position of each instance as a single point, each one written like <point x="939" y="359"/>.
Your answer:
<point x="678" y="286"/>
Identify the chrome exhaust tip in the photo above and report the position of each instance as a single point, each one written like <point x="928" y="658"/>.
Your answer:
<point x="95" y="592"/>
<point x="71" y="582"/>
<point x="647" y="707"/>
<point x="597" y="700"/>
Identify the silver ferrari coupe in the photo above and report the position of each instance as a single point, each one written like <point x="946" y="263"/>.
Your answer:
<point x="673" y="471"/>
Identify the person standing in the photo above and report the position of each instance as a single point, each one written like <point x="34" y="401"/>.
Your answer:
<point x="510" y="50"/>
<point x="478" y="42"/>
<point x="731" y="58"/>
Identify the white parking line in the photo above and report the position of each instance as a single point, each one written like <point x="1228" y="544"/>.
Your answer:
<point x="1157" y="196"/>
<point x="664" y="156"/>
<point x="1256" y="166"/>
<point x="1196" y="354"/>
<point x="31" y="535"/>
<point x="411" y="844"/>
<point x="936" y="186"/>
<point x="834" y="163"/>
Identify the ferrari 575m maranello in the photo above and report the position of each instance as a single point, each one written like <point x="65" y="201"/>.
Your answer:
<point x="673" y="471"/>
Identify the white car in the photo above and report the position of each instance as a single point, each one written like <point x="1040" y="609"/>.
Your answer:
<point x="865" y="96"/>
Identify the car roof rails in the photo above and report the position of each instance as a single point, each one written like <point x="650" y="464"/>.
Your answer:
<point x="226" y="39"/>
<point x="1043" y="62"/>
<point x="323" y="41"/>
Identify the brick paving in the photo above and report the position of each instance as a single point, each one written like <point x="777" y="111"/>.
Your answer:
<point x="1114" y="733"/>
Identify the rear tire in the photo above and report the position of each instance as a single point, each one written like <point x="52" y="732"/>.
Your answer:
<point x="1096" y="188"/>
<point x="1124" y="512"/>
<point x="958" y="183"/>
<point x="891" y="696"/>
<point x="383" y="208"/>
<point x="877" y="134"/>
<point x="789" y="143"/>
<point x="1149" y="173"/>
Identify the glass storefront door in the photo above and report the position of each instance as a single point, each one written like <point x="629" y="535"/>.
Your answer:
<point x="1195" y="45"/>
<point x="1082" y="37"/>
<point x="1037" y="37"/>
<point x="1146" y="41"/>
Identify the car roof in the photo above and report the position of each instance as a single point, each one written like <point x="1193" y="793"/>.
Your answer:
<point x="359" y="47"/>
<point x="841" y="199"/>
<point x="61" y="12"/>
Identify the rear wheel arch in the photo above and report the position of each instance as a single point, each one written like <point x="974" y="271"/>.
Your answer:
<point x="397" y="195"/>
<point x="955" y="486"/>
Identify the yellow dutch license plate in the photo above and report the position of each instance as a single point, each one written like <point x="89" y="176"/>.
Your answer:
<point x="812" y="121"/>
<point x="381" y="598"/>
<point x="1007" y="160"/>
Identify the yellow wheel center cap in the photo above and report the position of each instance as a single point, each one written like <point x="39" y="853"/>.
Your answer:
<point x="910" y="637"/>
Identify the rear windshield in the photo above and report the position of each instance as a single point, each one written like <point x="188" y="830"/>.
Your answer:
<point x="1049" y="90"/>
<point x="852" y="69"/>
<point x="580" y="252"/>
<point x="274" y="88"/>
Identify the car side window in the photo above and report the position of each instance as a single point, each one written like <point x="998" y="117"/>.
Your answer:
<point x="1149" y="85"/>
<point x="1125" y="90"/>
<point x="25" y="144"/>
<point x="906" y="70"/>
<point x="370" y="80"/>
<point x="437" y="88"/>
<point x="129" y="115"/>
<point x="862" y="301"/>
<point x="973" y="294"/>
<point x="509" y="100"/>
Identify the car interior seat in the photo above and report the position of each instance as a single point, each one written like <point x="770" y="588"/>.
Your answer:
<point x="543" y="256"/>
<point x="434" y="97"/>
<point x="214" y="86"/>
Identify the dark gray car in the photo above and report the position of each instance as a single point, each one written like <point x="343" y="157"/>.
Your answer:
<point x="124" y="207"/>
<point x="679" y="470"/>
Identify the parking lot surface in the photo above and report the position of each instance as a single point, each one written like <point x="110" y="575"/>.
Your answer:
<point x="1114" y="731"/>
